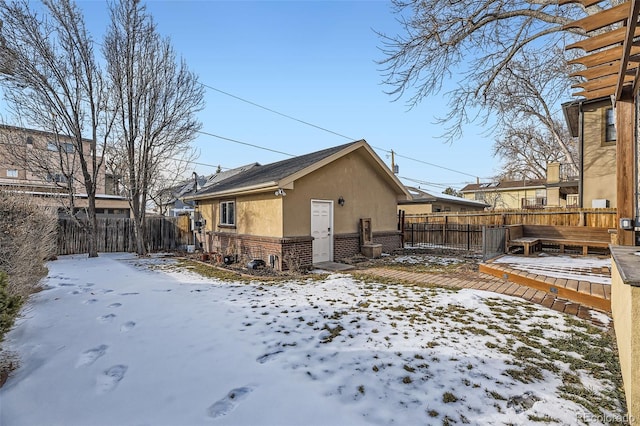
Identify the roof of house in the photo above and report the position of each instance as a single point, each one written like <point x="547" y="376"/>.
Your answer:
<point x="504" y="185"/>
<point x="419" y="196"/>
<point x="226" y="174"/>
<point x="185" y="187"/>
<point x="282" y="173"/>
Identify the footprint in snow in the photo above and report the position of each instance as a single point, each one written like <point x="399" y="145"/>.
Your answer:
<point x="106" y="318"/>
<point x="90" y="356"/>
<point x="109" y="379"/>
<point x="268" y="357"/>
<point x="90" y="301"/>
<point x="115" y="305"/>
<point x="129" y="294"/>
<point x="229" y="403"/>
<point x="127" y="326"/>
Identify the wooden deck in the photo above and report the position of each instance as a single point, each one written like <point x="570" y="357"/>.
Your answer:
<point x="592" y="294"/>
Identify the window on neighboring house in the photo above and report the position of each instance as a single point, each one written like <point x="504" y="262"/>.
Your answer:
<point x="479" y="196"/>
<point x="12" y="173"/>
<point x="610" y="126"/>
<point x="58" y="178"/>
<point x="64" y="147"/>
<point x="227" y="213"/>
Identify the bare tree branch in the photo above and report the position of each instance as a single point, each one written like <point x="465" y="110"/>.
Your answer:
<point x="55" y="85"/>
<point x="156" y="99"/>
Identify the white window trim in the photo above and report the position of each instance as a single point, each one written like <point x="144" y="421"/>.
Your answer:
<point x="224" y="206"/>
<point x="12" y="173"/>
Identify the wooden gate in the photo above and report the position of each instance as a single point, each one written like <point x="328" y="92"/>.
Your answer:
<point x="493" y="241"/>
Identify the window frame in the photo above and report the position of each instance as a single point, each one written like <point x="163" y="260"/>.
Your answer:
<point x="225" y="221"/>
<point x="610" y="134"/>
<point x="13" y="173"/>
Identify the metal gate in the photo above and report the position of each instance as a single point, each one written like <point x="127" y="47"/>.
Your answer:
<point x="493" y="242"/>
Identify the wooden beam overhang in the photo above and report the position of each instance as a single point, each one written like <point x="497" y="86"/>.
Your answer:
<point x="601" y="41"/>
<point x="613" y="54"/>
<point x="601" y="19"/>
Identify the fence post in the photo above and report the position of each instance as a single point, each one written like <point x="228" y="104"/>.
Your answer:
<point x="444" y="230"/>
<point x="468" y="237"/>
<point x="412" y="234"/>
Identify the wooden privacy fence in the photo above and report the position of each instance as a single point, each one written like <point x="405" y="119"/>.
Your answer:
<point x="442" y="235"/>
<point x="117" y="235"/>
<point x="599" y="218"/>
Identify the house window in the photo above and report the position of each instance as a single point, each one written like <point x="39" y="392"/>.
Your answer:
<point x="58" y="178"/>
<point x="64" y="147"/>
<point x="479" y="196"/>
<point x="610" y="126"/>
<point x="227" y="213"/>
<point x="12" y="173"/>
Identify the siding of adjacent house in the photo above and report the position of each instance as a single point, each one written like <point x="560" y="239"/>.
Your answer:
<point x="598" y="156"/>
<point x="436" y="206"/>
<point x="508" y="198"/>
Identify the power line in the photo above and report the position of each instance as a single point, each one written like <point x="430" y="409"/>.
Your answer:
<point x="277" y="112"/>
<point x="323" y="129"/>
<point x="245" y="143"/>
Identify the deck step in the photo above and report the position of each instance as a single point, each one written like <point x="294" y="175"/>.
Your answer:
<point x="583" y="292"/>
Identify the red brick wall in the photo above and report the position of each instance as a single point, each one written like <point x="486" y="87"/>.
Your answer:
<point x="390" y="240"/>
<point x="296" y="252"/>
<point x="345" y="245"/>
<point x="249" y="247"/>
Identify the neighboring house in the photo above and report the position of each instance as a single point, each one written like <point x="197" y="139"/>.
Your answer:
<point x="559" y="189"/>
<point x="428" y="202"/>
<point x="593" y="123"/>
<point x="172" y="200"/>
<point x="169" y="201"/>
<point x="304" y="210"/>
<point x="21" y="150"/>
<point x="517" y="194"/>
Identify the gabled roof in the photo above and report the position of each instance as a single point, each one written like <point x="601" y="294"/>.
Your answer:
<point x="504" y="185"/>
<point x="420" y="196"/>
<point x="283" y="173"/>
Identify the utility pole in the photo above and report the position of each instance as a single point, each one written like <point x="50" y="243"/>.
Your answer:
<point x="394" y="166"/>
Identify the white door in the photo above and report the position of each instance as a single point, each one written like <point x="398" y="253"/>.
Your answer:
<point x="321" y="230"/>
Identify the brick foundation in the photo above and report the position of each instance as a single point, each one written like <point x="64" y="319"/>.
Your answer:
<point x="390" y="240"/>
<point x="292" y="252"/>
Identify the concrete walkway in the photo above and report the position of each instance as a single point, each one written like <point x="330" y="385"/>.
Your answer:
<point x="485" y="282"/>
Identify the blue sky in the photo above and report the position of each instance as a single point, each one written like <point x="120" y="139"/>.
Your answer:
<point x="315" y="61"/>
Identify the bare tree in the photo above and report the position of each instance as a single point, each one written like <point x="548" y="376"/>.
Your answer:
<point x="526" y="149"/>
<point x="525" y="95"/>
<point x="156" y="97"/>
<point x="55" y="85"/>
<point x="507" y="57"/>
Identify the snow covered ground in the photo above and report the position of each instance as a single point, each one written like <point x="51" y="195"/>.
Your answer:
<point x="118" y="340"/>
<point x="588" y="268"/>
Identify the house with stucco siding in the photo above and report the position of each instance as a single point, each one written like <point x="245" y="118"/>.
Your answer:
<point x="306" y="209"/>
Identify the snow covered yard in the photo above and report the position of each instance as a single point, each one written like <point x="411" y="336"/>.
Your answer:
<point x="124" y="341"/>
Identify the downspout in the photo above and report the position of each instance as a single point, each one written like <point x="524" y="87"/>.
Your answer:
<point x="580" y="155"/>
